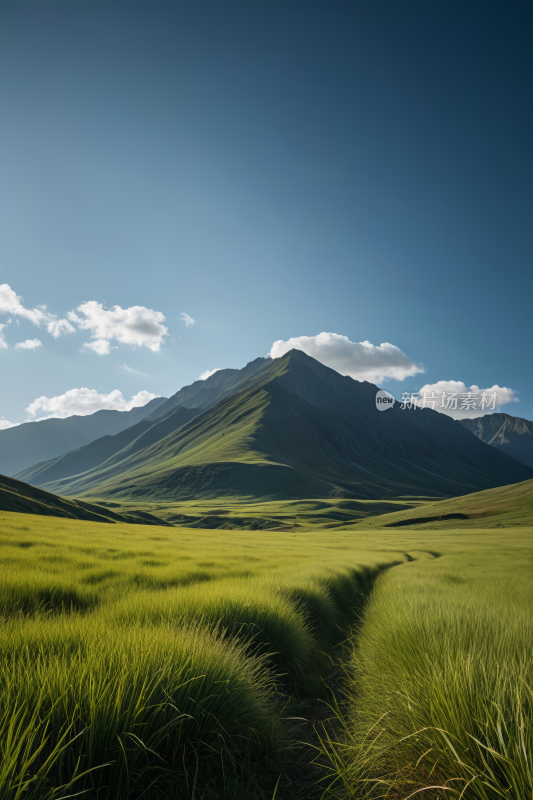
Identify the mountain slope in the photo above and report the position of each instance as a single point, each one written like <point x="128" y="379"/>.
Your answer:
<point x="511" y="435"/>
<point x="24" y="499"/>
<point x="295" y="428"/>
<point x="501" y="507"/>
<point x="91" y="455"/>
<point x="33" y="442"/>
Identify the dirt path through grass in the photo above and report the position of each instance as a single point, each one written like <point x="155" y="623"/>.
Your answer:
<point x="308" y="783"/>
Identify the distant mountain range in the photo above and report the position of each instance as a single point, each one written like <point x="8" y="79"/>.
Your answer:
<point x="31" y="442"/>
<point x="511" y="435"/>
<point x="280" y="429"/>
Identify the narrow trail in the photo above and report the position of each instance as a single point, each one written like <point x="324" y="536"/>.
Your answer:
<point x="309" y="780"/>
<point x="319" y="719"/>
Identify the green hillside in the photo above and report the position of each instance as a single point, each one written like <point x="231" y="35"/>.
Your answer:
<point x="16" y="496"/>
<point x="501" y="507"/>
<point x="296" y="429"/>
<point x="129" y="441"/>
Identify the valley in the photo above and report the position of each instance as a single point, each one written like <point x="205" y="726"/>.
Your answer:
<point x="265" y="588"/>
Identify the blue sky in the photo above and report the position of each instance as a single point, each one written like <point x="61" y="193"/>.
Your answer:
<point x="274" y="171"/>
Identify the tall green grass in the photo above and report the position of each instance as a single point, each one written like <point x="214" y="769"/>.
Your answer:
<point x="441" y="683"/>
<point x="139" y="660"/>
<point x="138" y="700"/>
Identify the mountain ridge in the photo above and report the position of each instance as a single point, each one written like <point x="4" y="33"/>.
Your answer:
<point x="291" y="428"/>
<point x="511" y="435"/>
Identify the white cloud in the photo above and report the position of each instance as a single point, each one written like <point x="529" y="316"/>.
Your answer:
<point x="5" y="424"/>
<point x="3" y="343"/>
<point x="100" y="346"/>
<point x="189" y="321"/>
<point x="362" y="361"/>
<point x="29" y="344"/>
<point x="448" y="397"/>
<point x="208" y="373"/>
<point x="11" y="303"/>
<point x="86" y="401"/>
<point x="56" y="327"/>
<point x="137" y="326"/>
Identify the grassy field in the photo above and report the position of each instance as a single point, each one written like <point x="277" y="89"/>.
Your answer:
<point x="167" y="662"/>
<point x="132" y="654"/>
<point x="440" y="679"/>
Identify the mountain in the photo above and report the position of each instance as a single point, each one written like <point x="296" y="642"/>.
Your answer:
<point x="32" y="442"/>
<point x="134" y="438"/>
<point x="16" y="496"/>
<point x="292" y="428"/>
<point x="502" y="507"/>
<point x="511" y="435"/>
<point x="205" y="393"/>
<point x="166" y="416"/>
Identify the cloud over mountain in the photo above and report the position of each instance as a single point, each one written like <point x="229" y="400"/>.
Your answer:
<point x="208" y="373"/>
<point x="86" y="401"/>
<point x="5" y="424"/>
<point x="360" y="360"/>
<point x="137" y="326"/>
<point x="460" y="401"/>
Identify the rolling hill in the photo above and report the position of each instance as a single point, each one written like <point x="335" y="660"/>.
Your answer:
<point x="24" y="499"/>
<point x="291" y="428"/>
<point x="511" y="435"/>
<point x="501" y="507"/>
<point x="33" y="442"/>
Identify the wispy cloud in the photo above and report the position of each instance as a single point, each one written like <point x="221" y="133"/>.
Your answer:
<point x="125" y="368"/>
<point x="189" y="321"/>
<point x="3" y="343"/>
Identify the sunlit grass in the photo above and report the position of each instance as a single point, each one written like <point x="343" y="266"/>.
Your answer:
<point x="145" y="659"/>
<point x="132" y="654"/>
<point x="441" y="682"/>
